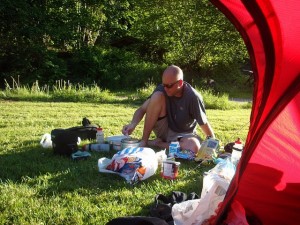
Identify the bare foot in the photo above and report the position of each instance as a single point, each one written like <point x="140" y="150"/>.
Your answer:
<point x="153" y="143"/>
<point x="157" y="143"/>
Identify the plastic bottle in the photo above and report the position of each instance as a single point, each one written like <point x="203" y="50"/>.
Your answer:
<point x="96" y="147"/>
<point x="100" y="135"/>
<point x="236" y="151"/>
<point x="238" y="141"/>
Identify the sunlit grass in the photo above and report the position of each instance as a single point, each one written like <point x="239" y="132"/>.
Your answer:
<point x="64" y="91"/>
<point x="37" y="187"/>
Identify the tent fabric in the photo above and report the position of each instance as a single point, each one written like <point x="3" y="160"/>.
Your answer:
<point x="267" y="180"/>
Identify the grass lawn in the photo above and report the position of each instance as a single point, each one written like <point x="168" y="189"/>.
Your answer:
<point x="37" y="187"/>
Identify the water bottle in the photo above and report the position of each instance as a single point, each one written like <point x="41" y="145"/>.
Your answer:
<point x="96" y="147"/>
<point x="100" y="135"/>
<point x="236" y="151"/>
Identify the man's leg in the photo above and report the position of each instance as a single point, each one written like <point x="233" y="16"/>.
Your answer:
<point x="160" y="130"/>
<point x="155" y="109"/>
<point x="188" y="141"/>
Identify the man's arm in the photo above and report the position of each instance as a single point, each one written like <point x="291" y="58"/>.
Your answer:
<point x="136" y="118"/>
<point x="207" y="130"/>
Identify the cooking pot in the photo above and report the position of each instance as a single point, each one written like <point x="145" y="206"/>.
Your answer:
<point x="129" y="142"/>
<point x="115" y="141"/>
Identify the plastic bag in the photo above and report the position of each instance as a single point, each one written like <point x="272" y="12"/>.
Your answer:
<point x="215" y="185"/>
<point x="46" y="141"/>
<point x="194" y="212"/>
<point x="225" y="168"/>
<point x="134" y="164"/>
<point x="161" y="156"/>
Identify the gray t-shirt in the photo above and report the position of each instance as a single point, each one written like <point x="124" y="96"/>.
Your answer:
<point x="186" y="111"/>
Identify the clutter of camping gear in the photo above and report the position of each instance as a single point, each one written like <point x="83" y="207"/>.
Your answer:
<point x="136" y="164"/>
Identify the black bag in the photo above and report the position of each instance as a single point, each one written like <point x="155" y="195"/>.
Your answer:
<point x="64" y="141"/>
<point x="137" y="220"/>
<point x="162" y="207"/>
<point x="160" y="212"/>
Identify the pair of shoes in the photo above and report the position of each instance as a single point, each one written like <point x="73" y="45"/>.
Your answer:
<point x="80" y="155"/>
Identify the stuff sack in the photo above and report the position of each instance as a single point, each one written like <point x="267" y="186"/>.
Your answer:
<point x="84" y="132"/>
<point x="65" y="141"/>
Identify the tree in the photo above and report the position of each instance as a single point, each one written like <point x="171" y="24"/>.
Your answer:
<point x="37" y="38"/>
<point x="192" y="32"/>
<point x="74" y="24"/>
<point x="21" y="37"/>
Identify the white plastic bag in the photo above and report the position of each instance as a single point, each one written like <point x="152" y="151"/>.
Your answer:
<point x="161" y="156"/>
<point x="133" y="163"/>
<point x="225" y="168"/>
<point x="193" y="212"/>
<point x="46" y="141"/>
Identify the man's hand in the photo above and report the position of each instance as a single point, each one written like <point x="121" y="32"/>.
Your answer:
<point x="137" y="117"/>
<point x="128" y="129"/>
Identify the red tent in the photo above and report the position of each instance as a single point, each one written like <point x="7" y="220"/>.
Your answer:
<point x="267" y="181"/>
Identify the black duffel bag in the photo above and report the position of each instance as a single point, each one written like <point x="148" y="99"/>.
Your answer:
<point x="64" y="141"/>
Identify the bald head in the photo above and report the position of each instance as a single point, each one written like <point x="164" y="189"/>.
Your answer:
<point x="173" y="72"/>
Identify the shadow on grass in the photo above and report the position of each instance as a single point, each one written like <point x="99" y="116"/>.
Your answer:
<point x="54" y="173"/>
<point x="62" y="173"/>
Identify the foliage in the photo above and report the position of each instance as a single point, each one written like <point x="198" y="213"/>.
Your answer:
<point x="146" y="91"/>
<point x="76" y="40"/>
<point x="74" y="23"/>
<point x="119" y="20"/>
<point x="112" y="68"/>
<point x="192" y="34"/>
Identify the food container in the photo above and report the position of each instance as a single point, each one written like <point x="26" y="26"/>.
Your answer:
<point x="129" y="142"/>
<point x="115" y="141"/>
<point x="170" y="169"/>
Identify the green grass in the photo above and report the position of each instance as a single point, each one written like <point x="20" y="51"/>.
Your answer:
<point x="64" y="91"/>
<point x="37" y="187"/>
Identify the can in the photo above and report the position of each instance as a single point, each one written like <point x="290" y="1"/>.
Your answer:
<point x="170" y="169"/>
<point x="129" y="142"/>
<point x="115" y="142"/>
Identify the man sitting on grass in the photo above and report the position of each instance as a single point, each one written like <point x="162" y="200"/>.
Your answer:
<point x="172" y="113"/>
